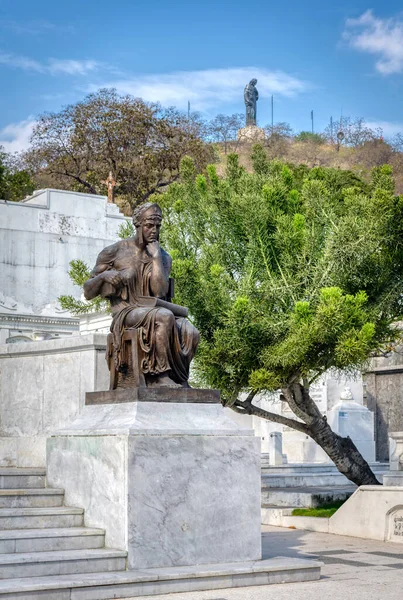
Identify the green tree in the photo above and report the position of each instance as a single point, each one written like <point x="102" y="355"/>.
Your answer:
<point x="141" y="143"/>
<point x="15" y="183"/>
<point x="308" y="136"/>
<point x="79" y="273"/>
<point x="287" y="273"/>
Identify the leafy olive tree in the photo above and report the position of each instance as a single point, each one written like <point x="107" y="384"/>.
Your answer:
<point x="141" y="143"/>
<point x="288" y="272"/>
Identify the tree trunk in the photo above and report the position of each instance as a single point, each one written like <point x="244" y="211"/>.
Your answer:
<point x="342" y="451"/>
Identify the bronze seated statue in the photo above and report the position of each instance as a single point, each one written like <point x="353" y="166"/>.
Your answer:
<point x="151" y="342"/>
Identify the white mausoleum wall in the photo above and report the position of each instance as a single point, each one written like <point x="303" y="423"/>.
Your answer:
<point x="42" y="387"/>
<point x="39" y="238"/>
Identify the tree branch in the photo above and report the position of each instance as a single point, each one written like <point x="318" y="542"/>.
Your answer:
<point x="157" y="186"/>
<point x="82" y="181"/>
<point x="288" y="396"/>
<point x="245" y="407"/>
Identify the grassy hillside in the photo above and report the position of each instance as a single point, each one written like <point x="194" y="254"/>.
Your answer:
<point x="360" y="159"/>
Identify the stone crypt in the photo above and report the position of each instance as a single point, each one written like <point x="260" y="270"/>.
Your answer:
<point x="171" y="480"/>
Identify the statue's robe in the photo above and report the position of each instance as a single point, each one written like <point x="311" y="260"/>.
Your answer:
<point x="180" y="338"/>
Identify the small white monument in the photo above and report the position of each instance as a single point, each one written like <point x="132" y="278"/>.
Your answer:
<point x="395" y="475"/>
<point x="351" y="419"/>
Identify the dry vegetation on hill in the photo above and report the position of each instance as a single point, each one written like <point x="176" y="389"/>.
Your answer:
<point x="360" y="159"/>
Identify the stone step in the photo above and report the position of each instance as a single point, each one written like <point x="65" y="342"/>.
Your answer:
<point x="31" y="498"/>
<point x="306" y="468"/>
<point x="282" y="517"/>
<point x="38" y="518"/>
<point x="19" y="478"/>
<point x="309" y="497"/>
<point x="62" y="562"/>
<point x="273" y="515"/>
<point x="47" y="540"/>
<point x="151" y="582"/>
<point x="302" y="480"/>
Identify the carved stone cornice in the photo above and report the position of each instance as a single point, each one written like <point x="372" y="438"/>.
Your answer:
<point x="39" y="320"/>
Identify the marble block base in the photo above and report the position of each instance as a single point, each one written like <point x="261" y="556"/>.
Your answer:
<point x="173" y="484"/>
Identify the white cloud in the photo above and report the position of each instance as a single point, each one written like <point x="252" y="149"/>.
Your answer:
<point x="381" y="37"/>
<point x="389" y="128"/>
<point x="52" y="66"/>
<point x="72" y="67"/>
<point x="207" y="88"/>
<point x="15" y="136"/>
<point x="35" y="27"/>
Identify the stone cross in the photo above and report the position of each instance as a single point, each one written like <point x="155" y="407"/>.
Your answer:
<point x="110" y="182"/>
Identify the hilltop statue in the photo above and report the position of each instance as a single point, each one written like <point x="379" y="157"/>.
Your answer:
<point x="251" y="96"/>
<point x="251" y="133"/>
<point x="151" y="343"/>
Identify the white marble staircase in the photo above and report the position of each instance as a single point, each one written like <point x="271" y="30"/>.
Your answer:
<point x="40" y="537"/>
<point x="46" y="553"/>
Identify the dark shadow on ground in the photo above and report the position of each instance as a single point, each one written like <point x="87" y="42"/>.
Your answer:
<point x="287" y="542"/>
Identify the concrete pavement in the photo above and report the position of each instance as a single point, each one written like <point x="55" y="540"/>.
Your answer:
<point x="354" y="569"/>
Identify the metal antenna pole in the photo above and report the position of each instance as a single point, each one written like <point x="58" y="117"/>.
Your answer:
<point x="312" y="119"/>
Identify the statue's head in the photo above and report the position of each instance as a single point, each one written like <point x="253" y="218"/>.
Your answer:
<point x="253" y="82"/>
<point x="147" y="219"/>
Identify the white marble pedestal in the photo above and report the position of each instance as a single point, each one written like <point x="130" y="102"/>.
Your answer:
<point x="174" y="484"/>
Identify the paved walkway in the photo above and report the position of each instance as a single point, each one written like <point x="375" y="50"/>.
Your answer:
<point x="355" y="569"/>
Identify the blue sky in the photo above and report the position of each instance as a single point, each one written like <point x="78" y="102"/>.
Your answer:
<point x="311" y="55"/>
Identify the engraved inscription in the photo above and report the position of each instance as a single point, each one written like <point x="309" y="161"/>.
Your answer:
<point x="396" y="525"/>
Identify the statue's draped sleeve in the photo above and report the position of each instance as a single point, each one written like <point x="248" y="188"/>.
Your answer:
<point x="105" y="260"/>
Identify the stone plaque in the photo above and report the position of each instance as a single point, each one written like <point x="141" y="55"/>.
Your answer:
<point x="396" y="525"/>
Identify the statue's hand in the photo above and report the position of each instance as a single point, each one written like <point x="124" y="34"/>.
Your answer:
<point x="154" y="249"/>
<point x="112" y="277"/>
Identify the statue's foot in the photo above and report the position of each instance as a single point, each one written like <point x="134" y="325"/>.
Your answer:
<point x="162" y="381"/>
